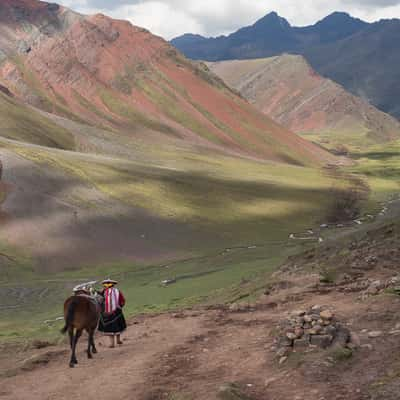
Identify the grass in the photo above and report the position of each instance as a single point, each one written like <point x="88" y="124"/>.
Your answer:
<point x="204" y="190"/>
<point x="135" y="119"/>
<point x="21" y="123"/>
<point x="213" y="278"/>
<point x="232" y="202"/>
<point x="379" y="166"/>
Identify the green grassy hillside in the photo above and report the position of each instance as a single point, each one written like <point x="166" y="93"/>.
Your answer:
<point x="25" y="124"/>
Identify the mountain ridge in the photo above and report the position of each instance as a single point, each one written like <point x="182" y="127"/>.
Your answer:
<point x="342" y="48"/>
<point x="288" y="90"/>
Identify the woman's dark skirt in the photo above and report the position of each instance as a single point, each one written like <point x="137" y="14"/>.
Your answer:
<point x="112" y="324"/>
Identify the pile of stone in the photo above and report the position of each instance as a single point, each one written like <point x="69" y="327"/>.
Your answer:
<point x="313" y="328"/>
<point x="370" y="287"/>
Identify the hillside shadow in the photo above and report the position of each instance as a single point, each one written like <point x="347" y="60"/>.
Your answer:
<point x="61" y="232"/>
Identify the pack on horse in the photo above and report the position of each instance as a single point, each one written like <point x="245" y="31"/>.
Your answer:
<point x="81" y="312"/>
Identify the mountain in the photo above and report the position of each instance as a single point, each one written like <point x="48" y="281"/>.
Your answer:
<point x="365" y="64"/>
<point x="360" y="56"/>
<point x="271" y="35"/>
<point x="287" y="89"/>
<point x="116" y="148"/>
<point x="112" y="74"/>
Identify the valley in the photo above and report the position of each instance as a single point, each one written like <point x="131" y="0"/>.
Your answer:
<point x="236" y="201"/>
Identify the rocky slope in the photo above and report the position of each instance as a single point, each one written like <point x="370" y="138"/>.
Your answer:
<point x="288" y="90"/>
<point x="360" y="56"/>
<point x="112" y="74"/>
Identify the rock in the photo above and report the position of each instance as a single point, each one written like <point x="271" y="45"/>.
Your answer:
<point x="284" y="341"/>
<point x="299" y="332"/>
<point x="298" y="313"/>
<point x="307" y="318"/>
<point x="269" y="381"/>
<point x="291" y="335"/>
<point x="282" y="360"/>
<point x="322" y="341"/>
<point x="283" y="352"/>
<point x="330" y="330"/>
<point x="375" y="334"/>
<point x="367" y="346"/>
<point x="326" y="315"/>
<point x="315" y="330"/>
<point x="316" y="308"/>
<point x="375" y="287"/>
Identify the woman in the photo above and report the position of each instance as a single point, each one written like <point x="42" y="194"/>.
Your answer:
<point x="112" y="321"/>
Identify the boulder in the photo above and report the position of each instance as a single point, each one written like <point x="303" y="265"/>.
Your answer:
<point x="375" y="334"/>
<point x="326" y="315"/>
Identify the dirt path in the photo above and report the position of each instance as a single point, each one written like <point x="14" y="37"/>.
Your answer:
<point x="114" y="373"/>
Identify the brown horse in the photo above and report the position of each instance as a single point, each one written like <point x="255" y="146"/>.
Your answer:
<point x="81" y="312"/>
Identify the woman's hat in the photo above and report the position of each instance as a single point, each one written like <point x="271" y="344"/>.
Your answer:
<point x="111" y="281"/>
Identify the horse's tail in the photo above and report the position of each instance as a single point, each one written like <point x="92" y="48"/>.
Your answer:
<point x="70" y="315"/>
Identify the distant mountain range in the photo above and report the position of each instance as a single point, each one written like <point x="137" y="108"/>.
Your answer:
<point x="288" y="90"/>
<point x="361" y="56"/>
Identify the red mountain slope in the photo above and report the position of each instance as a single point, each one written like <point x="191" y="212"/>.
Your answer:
<point x="110" y="73"/>
<point x="288" y="90"/>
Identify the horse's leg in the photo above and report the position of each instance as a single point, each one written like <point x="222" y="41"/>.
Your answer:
<point x="94" y="350"/>
<point x="89" y="348"/>
<point x="71" y="335"/>
<point x="74" y="343"/>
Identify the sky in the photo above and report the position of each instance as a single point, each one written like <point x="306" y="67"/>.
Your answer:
<point x="170" y="18"/>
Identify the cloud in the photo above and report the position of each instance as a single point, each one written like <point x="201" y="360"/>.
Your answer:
<point x="169" y="18"/>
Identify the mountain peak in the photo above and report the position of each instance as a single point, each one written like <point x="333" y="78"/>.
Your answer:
<point x="339" y="18"/>
<point x="272" y="18"/>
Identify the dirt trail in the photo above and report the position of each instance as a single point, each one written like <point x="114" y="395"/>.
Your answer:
<point x="114" y="373"/>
